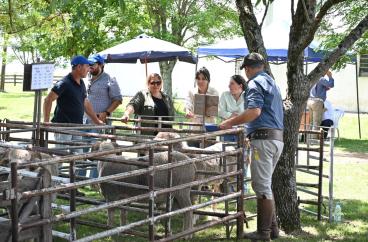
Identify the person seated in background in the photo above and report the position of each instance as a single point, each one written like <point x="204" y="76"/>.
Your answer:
<point x="151" y="102"/>
<point x="327" y="119"/>
<point x="232" y="101"/>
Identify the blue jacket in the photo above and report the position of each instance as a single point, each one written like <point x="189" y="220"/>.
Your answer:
<point x="320" y="88"/>
<point x="263" y="93"/>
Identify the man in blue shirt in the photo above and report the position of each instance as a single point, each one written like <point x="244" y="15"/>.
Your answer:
<point x="104" y="94"/>
<point x="316" y="99"/>
<point x="71" y="101"/>
<point x="263" y="118"/>
<point x="70" y="93"/>
<point x="103" y="90"/>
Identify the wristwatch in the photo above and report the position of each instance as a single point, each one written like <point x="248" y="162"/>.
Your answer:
<point x="108" y="113"/>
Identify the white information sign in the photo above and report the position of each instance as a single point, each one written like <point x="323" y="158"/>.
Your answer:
<point x="42" y="76"/>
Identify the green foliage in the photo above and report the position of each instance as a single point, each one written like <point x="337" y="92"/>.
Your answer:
<point x="52" y="29"/>
<point x="341" y="19"/>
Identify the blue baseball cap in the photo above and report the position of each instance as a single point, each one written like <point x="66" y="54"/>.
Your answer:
<point x="96" y="59"/>
<point x="80" y="60"/>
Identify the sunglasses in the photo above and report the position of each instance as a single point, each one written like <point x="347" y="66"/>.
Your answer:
<point x="157" y="83"/>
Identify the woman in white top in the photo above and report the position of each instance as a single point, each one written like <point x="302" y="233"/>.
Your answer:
<point x="231" y="105"/>
<point x="232" y="102"/>
<point x="203" y="80"/>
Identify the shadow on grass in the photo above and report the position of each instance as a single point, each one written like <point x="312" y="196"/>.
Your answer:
<point x="354" y="226"/>
<point x="352" y="145"/>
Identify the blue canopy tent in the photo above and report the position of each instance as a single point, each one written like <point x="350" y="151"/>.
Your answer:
<point x="147" y="49"/>
<point x="276" y="48"/>
<point x="237" y="48"/>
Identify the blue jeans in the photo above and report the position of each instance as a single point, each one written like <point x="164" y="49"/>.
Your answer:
<point x="93" y="172"/>
<point x="68" y="137"/>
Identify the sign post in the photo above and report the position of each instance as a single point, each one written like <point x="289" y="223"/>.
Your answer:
<point x="37" y="77"/>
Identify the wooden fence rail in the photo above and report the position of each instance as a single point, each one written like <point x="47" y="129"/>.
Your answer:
<point x="18" y="78"/>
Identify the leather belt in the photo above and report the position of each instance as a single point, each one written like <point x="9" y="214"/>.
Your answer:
<point x="316" y="99"/>
<point x="268" y="134"/>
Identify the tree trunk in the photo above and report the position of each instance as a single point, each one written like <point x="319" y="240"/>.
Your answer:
<point x="3" y="63"/>
<point x="302" y="31"/>
<point x="166" y="69"/>
<point x="252" y="30"/>
<point x="284" y="180"/>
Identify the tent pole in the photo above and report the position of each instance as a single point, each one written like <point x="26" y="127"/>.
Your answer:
<point x="305" y="109"/>
<point x="195" y="71"/>
<point x="145" y="64"/>
<point x="357" y="95"/>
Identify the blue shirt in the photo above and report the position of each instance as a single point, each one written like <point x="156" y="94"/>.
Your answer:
<point x="263" y="93"/>
<point x="320" y="88"/>
<point x="70" y="102"/>
<point x="102" y="92"/>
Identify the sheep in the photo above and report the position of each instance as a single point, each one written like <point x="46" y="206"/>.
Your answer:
<point x="25" y="183"/>
<point x="211" y="165"/>
<point x="181" y="175"/>
<point x="25" y="156"/>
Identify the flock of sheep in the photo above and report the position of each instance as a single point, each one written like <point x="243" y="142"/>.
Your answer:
<point x="113" y="192"/>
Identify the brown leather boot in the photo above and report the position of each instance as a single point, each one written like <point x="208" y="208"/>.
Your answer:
<point x="264" y="219"/>
<point x="274" y="226"/>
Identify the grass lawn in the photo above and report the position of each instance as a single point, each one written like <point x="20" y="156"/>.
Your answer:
<point x="350" y="189"/>
<point x="350" y="183"/>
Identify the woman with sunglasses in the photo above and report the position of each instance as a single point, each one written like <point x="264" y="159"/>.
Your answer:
<point x="203" y="79"/>
<point x="151" y="102"/>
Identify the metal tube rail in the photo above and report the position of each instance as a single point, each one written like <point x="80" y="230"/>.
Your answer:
<point x="152" y="144"/>
<point x="202" y="227"/>
<point x="168" y="206"/>
<point x="159" y="217"/>
<point x="150" y="121"/>
<point x="50" y="124"/>
<point x="160" y="129"/>
<point x="118" y="203"/>
<point x="52" y="129"/>
<point x="17" y="131"/>
<point x="14" y="203"/>
<point x="122" y="175"/>
<point x="152" y="195"/>
<point x="91" y="201"/>
<point x="320" y="198"/>
<point x="72" y="203"/>
<point x="133" y="161"/>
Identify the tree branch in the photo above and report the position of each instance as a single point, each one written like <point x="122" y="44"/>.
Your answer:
<point x="342" y="48"/>
<point x="38" y="24"/>
<point x="252" y="30"/>
<point x="292" y="9"/>
<point x="10" y="13"/>
<point x="317" y="21"/>
<point x="306" y="12"/>
<point x="264" y="14"/>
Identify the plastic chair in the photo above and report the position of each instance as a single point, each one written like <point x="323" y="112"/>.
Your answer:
<point x="338" y="114"/>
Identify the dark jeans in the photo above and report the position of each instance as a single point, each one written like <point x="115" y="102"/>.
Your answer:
<point x="326" y="124"/>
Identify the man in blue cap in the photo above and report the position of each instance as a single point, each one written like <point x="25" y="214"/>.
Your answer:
<point x="103" y="90"/>
<point x="70" y="93"/>
<point x="103" y="93"/>
<point x="263" y="118"/>
<point x="71" y="100"/>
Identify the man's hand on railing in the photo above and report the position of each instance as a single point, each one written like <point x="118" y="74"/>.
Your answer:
<point x="125" y="118"/>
